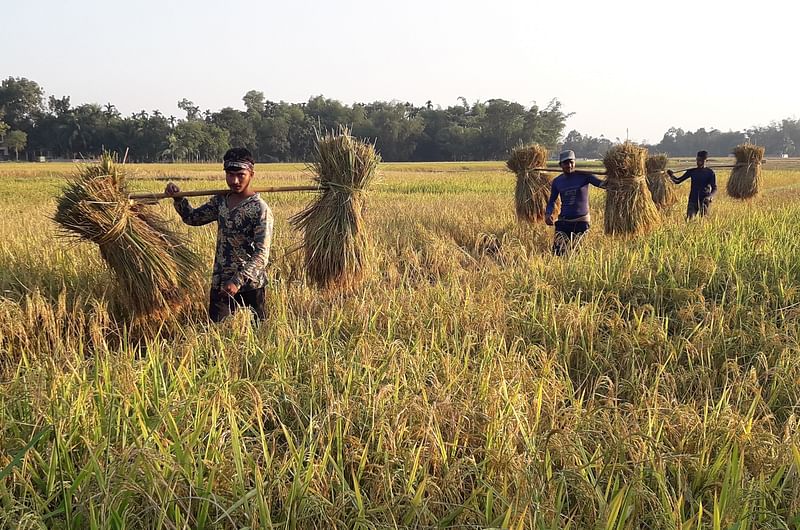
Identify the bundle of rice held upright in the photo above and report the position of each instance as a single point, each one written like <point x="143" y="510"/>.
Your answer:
<point x="745" y="179"/>
<point x="154" y="268"/>
<point x="533" y="187"/>
<point x="334" y="236"/>
<point x="629" y="204"/>
<point x="662" y="190"/>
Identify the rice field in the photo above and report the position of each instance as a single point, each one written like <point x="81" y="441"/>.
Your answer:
<point x="471" y="380"/>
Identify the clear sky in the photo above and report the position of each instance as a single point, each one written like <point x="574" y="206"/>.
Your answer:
<point x="616" y="64"/>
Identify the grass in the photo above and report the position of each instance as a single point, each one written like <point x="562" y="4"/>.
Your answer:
<point x="471" y="381"/>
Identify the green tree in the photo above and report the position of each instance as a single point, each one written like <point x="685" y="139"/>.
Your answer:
<point x="175" y="150"/>
<point x="254" y="101"/>
<point x="197" y="141"/>
<point x="215" y="142"/>
<point x="16" y="140"/>
<point x="192" y="111"/>
<point x="502" y="127"/>
<point x="3" y="130"/>
<point x="328" y="114"/>
<point x="586" y="146"/>
<point x="241" y="130"/>
<point x="189" y="137"/>
<point x="58" y="106"/>
<point x="20" y="101"/>
<point x="394" y="127"/>
<point x="273" y="138"/>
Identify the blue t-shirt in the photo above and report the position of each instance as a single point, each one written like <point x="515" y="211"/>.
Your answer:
<point x="574" y="191"/>
<point x="704" y="183"/>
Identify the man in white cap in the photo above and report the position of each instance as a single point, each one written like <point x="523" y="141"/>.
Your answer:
<point x="573" y="188"/>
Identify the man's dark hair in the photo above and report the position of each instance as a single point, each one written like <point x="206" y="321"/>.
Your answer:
<point x="702" y="154"/>
<point x="238" y="154"/>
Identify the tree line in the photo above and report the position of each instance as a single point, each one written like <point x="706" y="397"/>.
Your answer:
<point x="778" y="138"/>
<point x="32" y="126"/>
<point x="273" y="131"/>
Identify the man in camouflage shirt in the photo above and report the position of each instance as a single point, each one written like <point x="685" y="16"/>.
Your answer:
<point x="244" y="235"/>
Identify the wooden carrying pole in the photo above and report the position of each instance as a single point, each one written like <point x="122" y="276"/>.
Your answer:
<point x="602" y="172"/>
<point x="201" y="193"/>
<point x="577" y="170"/>
<point x="713" y="166"/>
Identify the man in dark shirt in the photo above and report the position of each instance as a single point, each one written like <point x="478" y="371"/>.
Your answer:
<point x="244" y="234"/>
<point x="573" y="188"/>
<point x="704" y="186"/>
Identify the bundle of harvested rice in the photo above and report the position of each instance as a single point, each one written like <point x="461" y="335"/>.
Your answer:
<point x="533" y="187"/>
<point x="745" y="179"/>
<point x="333" y="233"/>
<point x="629" y="205"/>
<point x="661" y="188"/>
<point x="153" y="266"/>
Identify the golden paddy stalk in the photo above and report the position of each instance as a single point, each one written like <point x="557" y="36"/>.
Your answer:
<point x="334" y="236"/>
<point x="661" y="188"/>
<point x="629" y="205"/>
<point x="153" y="265"/>
<point x="745" y="180"/>
<point x="532" y="187"/>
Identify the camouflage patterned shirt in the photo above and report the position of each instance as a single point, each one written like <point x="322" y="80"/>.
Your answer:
<point x="244" y="235"/>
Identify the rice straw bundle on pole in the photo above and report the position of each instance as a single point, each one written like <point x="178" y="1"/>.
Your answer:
<point x="153" y="266"/>
<point x="661" y="188"/>
<point x="629" y="205"/>
<point x="533" y="187"/>
<point x="745" y="179"/>
<point x="334" y="238"/>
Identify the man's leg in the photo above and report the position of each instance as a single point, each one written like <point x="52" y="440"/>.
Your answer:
<point x="561" y="239"/>
<point x="568" y="236"/>
<point x="578" y="232"/>
<point x="255" y="300"/>
<point x="220" y="305"/>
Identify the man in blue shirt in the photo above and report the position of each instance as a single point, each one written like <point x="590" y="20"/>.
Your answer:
<point x="573" y="188"/>
<point x="704" y="186"/>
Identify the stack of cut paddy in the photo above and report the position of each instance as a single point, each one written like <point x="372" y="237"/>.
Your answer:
<point x="629" y="205"/>
<point x="745" y="179"/>
<point x="334" y="237"/>
<point x="661" y="188"/>
<point x="533" y="187"/>
<point x="153" y="266"/>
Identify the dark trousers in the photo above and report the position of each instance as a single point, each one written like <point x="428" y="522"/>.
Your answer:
<point x="568" y="235"/>
<point x="223" y="305"/>
<point x="697" y="208"/>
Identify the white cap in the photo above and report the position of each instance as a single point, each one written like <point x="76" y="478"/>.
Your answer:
<point x="566" y="155"/>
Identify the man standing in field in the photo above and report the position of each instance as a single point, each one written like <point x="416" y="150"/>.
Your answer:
<point x="244" y="235"/>
<point x="704" y="186"/>
<point x="573" y="188"/>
